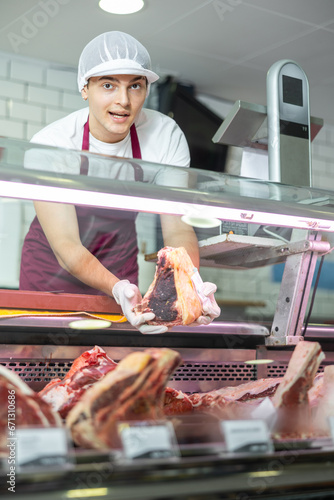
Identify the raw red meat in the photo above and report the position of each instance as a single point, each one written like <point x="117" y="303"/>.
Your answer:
<point x="322" y="402"/>
<point x="294" y="419"/>
<point x="244" y="392"/>
<point x="299" y="376"/>
<point x="133" y="391"/>
<point x="234" y="402"/>
<point x="62" y="395"/>
<point x="29" y="408"/>
<point x="172" y="295"/>
<point x="176" y="402"/>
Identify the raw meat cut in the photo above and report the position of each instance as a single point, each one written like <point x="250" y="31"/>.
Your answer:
<point x="28" y="408"/>
<point x="62" y="395"/>
<point x="255" y="389"/>
<point x="176" y="402"/>
<point x="291" y="400"/>
<point x="172" y="295"/>
<point x="237" y="402"/>
<point x="323" y="405"/>
<point x="299" y="376"/>
<point x="133" y="391"/>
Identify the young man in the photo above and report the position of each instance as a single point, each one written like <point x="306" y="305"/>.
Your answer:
<point x="82" y="250"/>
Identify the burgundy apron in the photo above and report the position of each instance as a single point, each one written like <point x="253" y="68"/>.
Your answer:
<point x="110" y="235"/>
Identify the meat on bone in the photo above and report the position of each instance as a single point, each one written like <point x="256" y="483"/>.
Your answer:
<point x="133" y="391"/>
<point x="324" y="407"/>
<point x="29" y="408"/>
<point x="63" y="394"/>
<point x="291" y="399"/>
<point x="172" y="295"/>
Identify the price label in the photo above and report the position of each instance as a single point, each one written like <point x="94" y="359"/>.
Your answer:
<point x="146" y="440"/>
<point x="249" y="436"/>
<point x="42" y="447"/>
<point x="331" y="426"/>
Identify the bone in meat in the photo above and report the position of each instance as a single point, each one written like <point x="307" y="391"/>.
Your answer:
<point x="325" y="403"/>
<point x="133" y="391"/>
<point x="291" y="398"/>
<point x="63" y="394"/>
<point x="299" y="376"/>
<point x="172" y="295"/>
<point x="30" y="409"/>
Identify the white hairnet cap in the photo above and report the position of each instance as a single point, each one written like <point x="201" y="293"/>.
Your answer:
<point x="114" y="53"/>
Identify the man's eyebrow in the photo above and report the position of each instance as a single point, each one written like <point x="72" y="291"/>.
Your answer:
<point x="113" y="79"/>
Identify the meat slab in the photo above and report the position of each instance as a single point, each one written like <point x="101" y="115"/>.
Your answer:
<point x="291" y="398"/>
<point x="172" y="295"/>
<point x="235" y="402"/>
<point x="321" y="399"/>
<point x="29" y="408"/>
<point x="63" y="394"/>
<point x="133" y="391"/>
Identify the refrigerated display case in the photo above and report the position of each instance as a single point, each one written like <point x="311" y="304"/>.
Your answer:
<point x="241" y="224"/>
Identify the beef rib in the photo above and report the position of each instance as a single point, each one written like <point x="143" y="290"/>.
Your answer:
<point x="63" y="394"/>
<point x="29" y="408"/>
<point x="172" y="295"/>
<point x="133" y="391"/>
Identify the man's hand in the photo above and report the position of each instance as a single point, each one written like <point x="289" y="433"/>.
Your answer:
<point x="128" y="296"/>
<point x="210" y="308"/>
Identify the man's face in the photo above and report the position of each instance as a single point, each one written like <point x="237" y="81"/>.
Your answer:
<point x="114" y="103"/>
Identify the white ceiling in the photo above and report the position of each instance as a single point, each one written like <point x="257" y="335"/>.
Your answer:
<point x="223" y="47"/>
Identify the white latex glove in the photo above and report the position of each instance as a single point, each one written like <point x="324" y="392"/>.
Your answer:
<point x="128" y="296"/>
<point x="206" y="292"/>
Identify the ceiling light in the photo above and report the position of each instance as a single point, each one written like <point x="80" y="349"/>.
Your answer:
<point x="121" y="6"/>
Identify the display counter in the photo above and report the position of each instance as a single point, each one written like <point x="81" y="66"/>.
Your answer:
<point x="241" y="224"/>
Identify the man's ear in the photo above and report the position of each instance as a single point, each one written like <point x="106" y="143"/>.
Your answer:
<point x="84" y="93"/>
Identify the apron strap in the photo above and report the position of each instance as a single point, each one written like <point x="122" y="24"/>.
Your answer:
<point x="85" y="147"/>
<point x="136" y="151"/>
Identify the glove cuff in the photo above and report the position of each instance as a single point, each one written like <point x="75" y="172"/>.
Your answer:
<point x="118" y="287"/>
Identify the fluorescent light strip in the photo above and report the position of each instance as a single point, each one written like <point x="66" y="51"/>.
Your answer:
<point x="140" y="204"/>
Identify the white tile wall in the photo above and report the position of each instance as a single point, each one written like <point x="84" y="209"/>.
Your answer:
<point x="61" y="79"/>
<point x="43" y="95"/>
<point x="11" y="89"/>
<point x="35" y="93"/>
<point x="28" y="112"/>
<point x="27" y="72"/>
<point x="3" y="107"/>
<point x="4" y="65"/>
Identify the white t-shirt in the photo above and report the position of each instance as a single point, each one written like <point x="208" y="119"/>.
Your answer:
<point x="161" y="139"/>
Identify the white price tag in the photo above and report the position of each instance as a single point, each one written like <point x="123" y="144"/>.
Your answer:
<point x="146" y="440"/>
<point x="331" y="426"/>
<point x="250" y="436"/>
<point x="42" y="447"/>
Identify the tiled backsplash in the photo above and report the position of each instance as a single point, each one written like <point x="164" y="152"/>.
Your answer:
<point x="34" y="93"/>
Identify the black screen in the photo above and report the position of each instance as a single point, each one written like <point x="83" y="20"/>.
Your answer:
<point x="198" y="123"/>
<point x="292" y="90"/>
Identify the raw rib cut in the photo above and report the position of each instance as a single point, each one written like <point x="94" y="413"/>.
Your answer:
<point x="234" y="402"/>
<point x="299" y="376"/>
<point x="291" y="400"/>
<point x="133" y="391"/>
<point x="62" y="395"/>
<point x="30" y="409"/>
<point x="322" y="402"/>
<point x="176" y="402"/>
<point x="172" y="295"/>
<point x="255" y="389"/>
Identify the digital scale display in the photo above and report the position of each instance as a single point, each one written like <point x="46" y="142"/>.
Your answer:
<point x="292" y="90"/>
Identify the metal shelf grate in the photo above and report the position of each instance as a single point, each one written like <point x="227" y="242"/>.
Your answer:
<point x="215" y="372"/>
